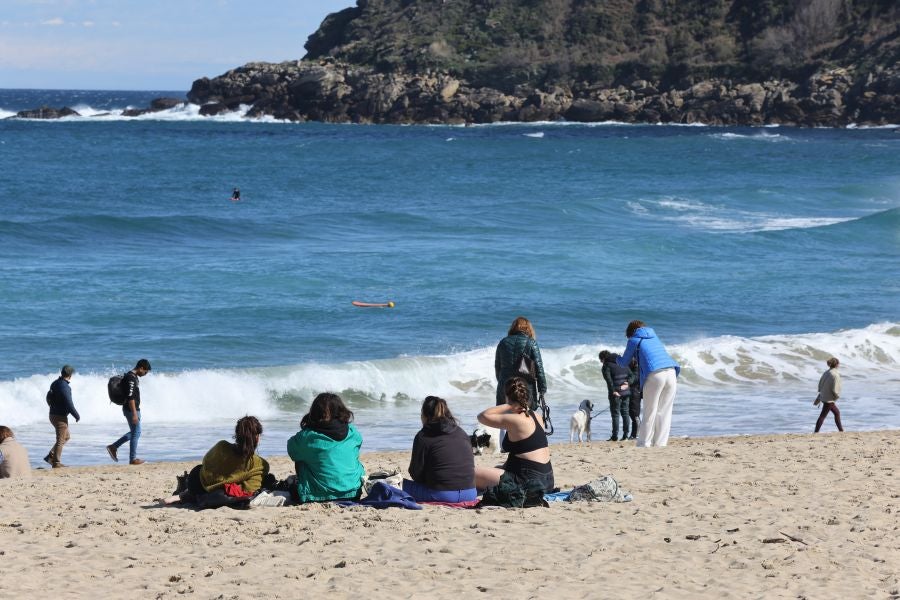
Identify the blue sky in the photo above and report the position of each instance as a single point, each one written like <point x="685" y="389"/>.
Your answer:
<point x="147" y="44"/>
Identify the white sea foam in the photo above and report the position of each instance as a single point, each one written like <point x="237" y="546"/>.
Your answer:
<point x="185" y="413"/>
<point x="726" y="366"/>
<point x="537" y="134"/>
<point x="762" y="136"/>
<point x="192" y="396"/>
<point x="182" y="112"/>
<point x="724" y="219"/>
<point x="191" y="112"/>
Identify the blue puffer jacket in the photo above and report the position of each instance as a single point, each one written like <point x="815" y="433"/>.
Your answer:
<point x="652" y="355"/>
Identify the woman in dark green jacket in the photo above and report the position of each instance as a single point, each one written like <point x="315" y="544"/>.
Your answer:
<point x="519" y="340"/>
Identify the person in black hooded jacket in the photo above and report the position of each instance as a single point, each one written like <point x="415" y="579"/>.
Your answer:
<point x="442" y="467"/>
<point x="618" y="392"/>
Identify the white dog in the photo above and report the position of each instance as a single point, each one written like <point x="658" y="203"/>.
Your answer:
<point x="581" y="422"/>
<point x="485" y="437"/>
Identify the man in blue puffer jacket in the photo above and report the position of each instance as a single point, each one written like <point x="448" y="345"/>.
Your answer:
<point x="659" y="373"/>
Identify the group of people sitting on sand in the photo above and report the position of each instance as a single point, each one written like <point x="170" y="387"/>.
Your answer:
<point x="327" y="466"/>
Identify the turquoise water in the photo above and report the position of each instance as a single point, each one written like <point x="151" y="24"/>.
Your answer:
<point x="754" y="253"/>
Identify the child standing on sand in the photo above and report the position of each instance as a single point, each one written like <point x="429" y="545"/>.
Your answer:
<point x="829" y="392"/>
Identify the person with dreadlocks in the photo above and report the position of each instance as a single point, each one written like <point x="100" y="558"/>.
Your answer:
<point x="525" y="439"/>
<point x="230" y="472"/>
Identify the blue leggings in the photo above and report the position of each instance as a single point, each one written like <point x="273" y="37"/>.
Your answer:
<point x="423" y="493"/>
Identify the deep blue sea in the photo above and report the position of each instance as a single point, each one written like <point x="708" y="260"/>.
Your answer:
<point x="755" y="254"/>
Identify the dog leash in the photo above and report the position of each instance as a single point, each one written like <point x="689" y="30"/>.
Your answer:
<point x="597" y="413"/>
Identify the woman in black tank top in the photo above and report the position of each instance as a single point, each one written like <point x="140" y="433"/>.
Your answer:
<point x="525" y="440"/>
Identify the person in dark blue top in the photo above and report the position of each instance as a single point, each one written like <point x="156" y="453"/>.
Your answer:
<point x="59" y="398"/>
<point x="525" y="440"/>
<point x="618" y="393"/>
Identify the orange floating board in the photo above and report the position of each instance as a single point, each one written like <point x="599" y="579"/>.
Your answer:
<point x="387" y="304"/>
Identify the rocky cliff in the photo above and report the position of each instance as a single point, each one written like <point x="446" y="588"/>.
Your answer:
<point x="800" y="62"/>
<point x="748" y="62"/>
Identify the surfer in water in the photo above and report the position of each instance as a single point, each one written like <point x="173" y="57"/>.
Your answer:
<point x="236" y="195"/>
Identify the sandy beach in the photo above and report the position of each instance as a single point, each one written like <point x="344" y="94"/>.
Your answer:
<point x="777" y="516"/>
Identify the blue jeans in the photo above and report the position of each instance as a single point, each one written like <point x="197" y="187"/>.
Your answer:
<point x="132" y="436"/>
<point x="422" y="493"/>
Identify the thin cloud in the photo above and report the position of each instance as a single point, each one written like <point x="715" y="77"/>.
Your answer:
<point x="53" y="22"/>
<point x="88" y="24"/>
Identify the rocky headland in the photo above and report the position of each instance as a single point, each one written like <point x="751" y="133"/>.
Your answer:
<point x="341" y="93"/>
<point x="718" y="62"/>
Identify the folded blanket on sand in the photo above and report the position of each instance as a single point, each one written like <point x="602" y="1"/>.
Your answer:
<point x="382" y="495"/>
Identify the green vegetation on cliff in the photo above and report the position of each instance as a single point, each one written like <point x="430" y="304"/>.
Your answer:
<point x="504" y="43"/>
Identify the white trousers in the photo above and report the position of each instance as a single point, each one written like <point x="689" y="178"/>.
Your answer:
<point x="659" y="397"/>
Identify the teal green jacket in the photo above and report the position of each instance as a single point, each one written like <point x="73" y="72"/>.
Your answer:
<point x="327" y="469"/>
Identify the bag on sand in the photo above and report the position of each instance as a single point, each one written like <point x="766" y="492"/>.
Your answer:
<point x="114" y="390"/>
<point x="602" y="489"/>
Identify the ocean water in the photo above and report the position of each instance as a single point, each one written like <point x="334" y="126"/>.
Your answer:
<point x="755" y="254"/>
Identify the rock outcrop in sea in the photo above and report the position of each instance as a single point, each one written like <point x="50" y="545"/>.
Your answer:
<point x="341" y="93"/>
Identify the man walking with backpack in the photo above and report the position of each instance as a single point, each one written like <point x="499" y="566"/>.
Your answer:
<point x="131" y="408"/>
<point x="59" y="399"/>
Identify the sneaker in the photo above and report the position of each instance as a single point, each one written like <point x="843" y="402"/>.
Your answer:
<point x="613" y="439"/>
<point x="136" y="461"/>
<point x="112" y="452"/>
<point x="49" y="459"/>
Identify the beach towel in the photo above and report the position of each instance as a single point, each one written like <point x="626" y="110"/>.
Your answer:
<point x="557" y="496"/>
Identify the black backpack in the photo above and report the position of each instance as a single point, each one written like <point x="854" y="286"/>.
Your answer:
<point x="114" y="390"/>
<point x="51" y="395"/>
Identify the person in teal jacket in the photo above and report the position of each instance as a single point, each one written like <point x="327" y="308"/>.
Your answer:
<point x="326" y="453"/>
